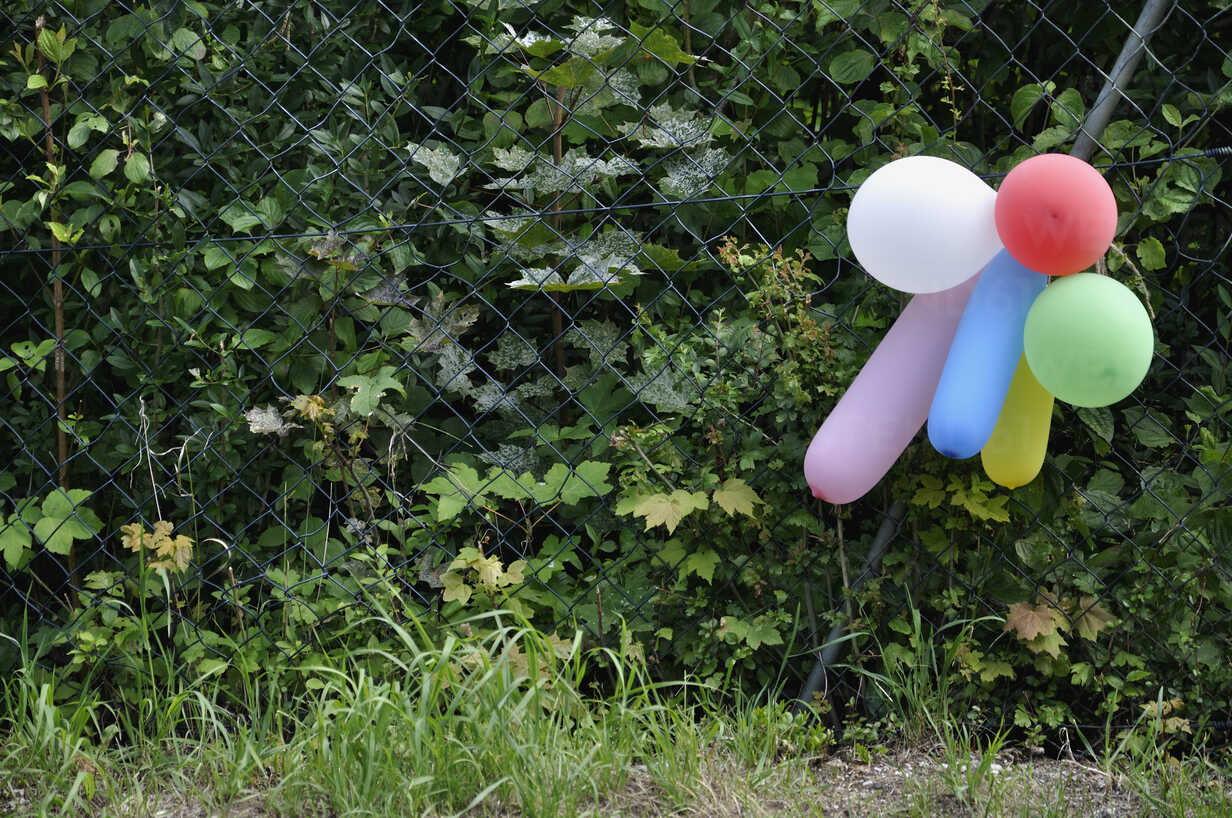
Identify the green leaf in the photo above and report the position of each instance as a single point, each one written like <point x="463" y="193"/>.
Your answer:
<point x="931" y="492"/>
<point x="50" y="45"/>
<point x="852" y="66"/>
<point x="239" y="217"/>
<point x="833" y="11"/>
<point x="85" y="123"/>
<point x="669" y="509"/>
<point x="803" y="177"/>
<point x="15" y="541"/>
<point x="104" y="163"/>
<point x="215" y="256"/>
<point x="701" y="563"/>
<point x="588" y="480"/>
<point x="188" y="43"/>
<point x="1099" y="421"/>
<point x="35" y="81"/>
<point x="254" y="338"/>
<point x="573" y="72"/>
<point x="1171" y="115"/>
<point x="61" y="503"/>
<point x="137" y="168"/>
<point x="370" y="388"/>
<point x="1024" y="100"/>
<point x="456" y="589"/>
<point x="90" y="282"/>
<point x="661" y="44"/>
<point x="761" y="632"/>
<point x="1068" y="108"/>
<point x="991" y="670"/>
<point x="735" y="496"/>
<point x="270" y="212"/>
<point x="505" y="485"/>
<point x="454" y="491"/>
<point x="1151" y="253"/>
<point x="57" y="534"/>
<point x="1148" y="428"/>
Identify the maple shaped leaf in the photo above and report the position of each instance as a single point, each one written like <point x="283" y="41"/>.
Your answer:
<point x="735" y="495"/>
<point x="368" y="389"/>
<point x="669" y="509"/>
<point x="513" y="574"/>
<point x="1050" y="643"/>
<point x="490" y="571"/>
<point x="455" y="588"/>
<point x="1092" y="619"/>
<point x="1031" y="621"/>
<point x="131" y="536"/>
<point x="701" y="563"/>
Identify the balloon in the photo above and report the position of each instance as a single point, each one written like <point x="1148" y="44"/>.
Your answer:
<point x="1015" y="452"/>
<point x="888" y="401"/>
<point x="981" y="361"/>
<point x="923" y="224"/>
<point x="1088" y="340"/>
<point x="1056" y="214"/>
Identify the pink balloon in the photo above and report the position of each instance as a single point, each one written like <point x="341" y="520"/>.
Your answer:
<point x="888" y="401"/>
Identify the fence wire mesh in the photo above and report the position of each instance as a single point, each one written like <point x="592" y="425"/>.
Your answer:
<point x="317" y="311"/>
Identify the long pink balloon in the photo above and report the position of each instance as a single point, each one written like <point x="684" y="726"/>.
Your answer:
<point x="888" y="401"/>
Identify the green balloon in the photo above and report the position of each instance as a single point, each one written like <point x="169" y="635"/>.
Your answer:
<point x="1088" y="340"/>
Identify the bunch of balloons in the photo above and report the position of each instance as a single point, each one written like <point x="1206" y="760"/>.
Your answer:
<point x="983" y="348"/>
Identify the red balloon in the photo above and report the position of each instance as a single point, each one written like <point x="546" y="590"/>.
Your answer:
<point x="1055" y="214"/>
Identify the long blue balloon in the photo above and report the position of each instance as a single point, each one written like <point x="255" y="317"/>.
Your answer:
<point x="982" y="359"/>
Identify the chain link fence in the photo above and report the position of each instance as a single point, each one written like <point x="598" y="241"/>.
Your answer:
<point x="437" y="308"/>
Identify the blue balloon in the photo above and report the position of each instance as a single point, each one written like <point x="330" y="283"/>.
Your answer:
<point x="983" y="357"/>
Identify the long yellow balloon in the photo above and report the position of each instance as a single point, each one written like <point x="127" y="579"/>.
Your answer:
<point x="1015" y="452"/>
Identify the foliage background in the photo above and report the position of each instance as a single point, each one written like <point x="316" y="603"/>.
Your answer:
<point x="439" y="307"/>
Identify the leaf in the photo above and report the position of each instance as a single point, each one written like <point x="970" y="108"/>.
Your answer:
<point x="1171" y="115"/>
<point x="270" y="212"/>
<point x="669" y="509"/>
<point x="1148" y="428"/>
<point x="456" y="590"/>
<point x="1031" y="621"/>
<point x="931" y="492"/>
<point x="80" y="132"/>
<point x="1050" y="643"/>
<point x="1099" y="420"/>
<point x="35" y="81"/>
<point x="454" y="491"/>
<point x="61" y="503"/>
<point x="588" y="480"/>
<point x="701" y="563"/>
<point x="978" y="504"/>
<point x="188" y="43"/>
<point x="761" y="632"/>
<point x="1068" y="108"/>
<point x="1092" y="619"/>
<point x="1151" y="253"/>
<point x="137" y="168"/>
<point x="735" y="496"/>
<point x="15" y="540"/>
<point x="1024" y="100"/>
<point x="992" y="670"/>
<point x="239" y="217"/>
<point x="104" y="163"/>
<point x="58" y="534"/>
<point x="852" y="66"/>
<point x="571" y="73"/>
<point x="370" y="388"/>
<point x="661" y="44"/>
<point x="252" y="339"/>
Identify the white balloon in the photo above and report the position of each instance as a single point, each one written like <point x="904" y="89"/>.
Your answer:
<point x="923" y="224"/>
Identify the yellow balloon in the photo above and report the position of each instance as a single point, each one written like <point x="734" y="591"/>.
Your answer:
<point x="1015" y="452"/>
